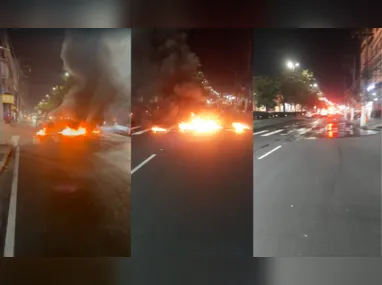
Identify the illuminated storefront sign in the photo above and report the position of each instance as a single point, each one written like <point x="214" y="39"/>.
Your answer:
<point x="8" y="99"/>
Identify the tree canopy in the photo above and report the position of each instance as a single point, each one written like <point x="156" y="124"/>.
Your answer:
<point x="266" y="91"/>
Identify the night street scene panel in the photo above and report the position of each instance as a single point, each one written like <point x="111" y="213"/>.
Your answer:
<point x="317" y="142"/>
<point x="191" y="142"/>
<point x="65" y="180"/>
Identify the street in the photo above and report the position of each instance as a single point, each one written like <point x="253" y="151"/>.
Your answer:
<point x="192" y="195"/>
<point x="315" y="195"/>
<point x="70" y="201"/>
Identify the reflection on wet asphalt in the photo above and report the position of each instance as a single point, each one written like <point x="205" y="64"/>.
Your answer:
<point x="317" y="129"/>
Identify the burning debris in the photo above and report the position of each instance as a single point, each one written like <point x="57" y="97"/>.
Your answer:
<point x="99" y="62"/>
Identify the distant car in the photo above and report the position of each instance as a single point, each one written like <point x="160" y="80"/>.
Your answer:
<point x="68" y="131"/>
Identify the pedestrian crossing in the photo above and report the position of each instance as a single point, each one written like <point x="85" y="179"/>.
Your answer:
<point x="282" y="131"/>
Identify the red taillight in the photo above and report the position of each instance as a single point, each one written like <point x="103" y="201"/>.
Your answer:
<point x="330" y="127"/>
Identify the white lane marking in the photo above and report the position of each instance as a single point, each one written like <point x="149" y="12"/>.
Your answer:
<point x="143" y="163"/>
<point x="305" y="130"/>
<point x="269" y="152"/>
<point x="260" y="132"/>
<point x="271" y="133"/>
<point x="137" y="127"/>
<point x="141" y="132"/>
<point x="9" y="246"/>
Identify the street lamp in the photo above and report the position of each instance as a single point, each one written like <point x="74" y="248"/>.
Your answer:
<point x="54" y="88"/>
<point x="292" y="65"/>
<point x="47" y="96"/>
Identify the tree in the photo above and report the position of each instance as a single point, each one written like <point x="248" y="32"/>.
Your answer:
<point x="298" y="88"/>
<point x="266" y="91"/>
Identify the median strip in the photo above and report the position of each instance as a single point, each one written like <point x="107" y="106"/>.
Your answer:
<point x="269" y="152"/>
<point x="143" y="163"/>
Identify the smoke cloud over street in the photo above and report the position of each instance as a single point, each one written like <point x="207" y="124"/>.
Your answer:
<point x="99" y="61"/>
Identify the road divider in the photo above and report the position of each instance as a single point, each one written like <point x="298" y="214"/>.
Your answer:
<point x="269" y="152"/>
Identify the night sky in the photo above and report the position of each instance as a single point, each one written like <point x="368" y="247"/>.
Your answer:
<point x="223" y="53"/>
<point x="40" y="49"/>
<point x="324" y="51"/>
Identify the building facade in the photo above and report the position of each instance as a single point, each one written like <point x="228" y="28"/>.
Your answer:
<point x="371" y="70"/>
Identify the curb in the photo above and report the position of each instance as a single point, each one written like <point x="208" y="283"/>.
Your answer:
<point x="5" y="160"/>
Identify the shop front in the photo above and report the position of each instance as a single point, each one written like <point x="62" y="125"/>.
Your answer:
<point x="9" y="107"/>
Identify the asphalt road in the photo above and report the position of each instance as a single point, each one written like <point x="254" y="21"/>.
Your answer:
<point x="316" y="196"/>
<point x="193" y="196"/>
<point x="71" y="201"/>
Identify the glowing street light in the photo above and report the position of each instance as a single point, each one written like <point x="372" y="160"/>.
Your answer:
<point x="47" y="96"/>
<point x="67" y="74"/>
<point x="292" y="65"/>
<point x="315" y="85"/>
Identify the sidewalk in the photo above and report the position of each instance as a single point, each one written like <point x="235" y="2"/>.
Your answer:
<point x="373" y="124"/>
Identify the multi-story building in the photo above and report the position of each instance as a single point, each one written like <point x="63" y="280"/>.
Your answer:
<point x="371" y="67"/>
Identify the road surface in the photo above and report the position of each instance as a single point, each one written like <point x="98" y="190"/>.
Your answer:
<point x="70" y="201"/>
<point x="192" y="196"/>
<point x="316" y="196"/>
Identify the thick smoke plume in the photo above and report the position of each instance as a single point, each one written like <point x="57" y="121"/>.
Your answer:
<point x="164" y="65"/>
<point x="100" y="63"/>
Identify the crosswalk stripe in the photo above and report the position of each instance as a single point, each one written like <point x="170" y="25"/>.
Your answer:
<point x="271" y="133"/>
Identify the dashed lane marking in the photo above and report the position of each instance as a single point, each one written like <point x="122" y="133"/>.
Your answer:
<point x="142" y="163"/>
<point x="269" y="152"/>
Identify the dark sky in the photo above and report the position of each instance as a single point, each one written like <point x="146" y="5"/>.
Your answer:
<point x="40" y="49"/>
<point x="224" y="54"/>
<point x="324" y="51"/>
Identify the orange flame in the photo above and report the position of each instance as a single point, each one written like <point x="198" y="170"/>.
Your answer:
<point x="41" y="132"/>
<point x="158" y="129"/>
<point x="200" y="125"/>
<point x="72" y="132"/>
<point x="239" y="127"/>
